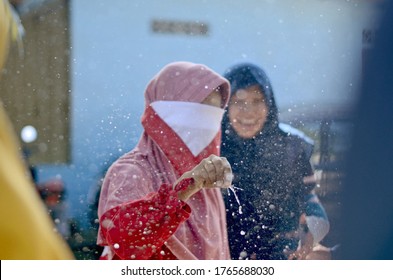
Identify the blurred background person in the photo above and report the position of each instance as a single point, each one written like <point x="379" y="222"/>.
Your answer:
<point x="26" y="230"/>
<point x="279" y="215"/>
<point x="92" y="250"/>
<point x="53" y="194"/>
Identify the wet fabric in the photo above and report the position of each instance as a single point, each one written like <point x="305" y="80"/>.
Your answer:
<point x="268" y="178"/>
<point x="140" y="214"/>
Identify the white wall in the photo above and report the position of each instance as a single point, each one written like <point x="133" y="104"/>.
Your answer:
<point x="311" y="49"/>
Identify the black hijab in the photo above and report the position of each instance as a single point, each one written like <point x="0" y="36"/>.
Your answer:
<point x="245" y="75"/>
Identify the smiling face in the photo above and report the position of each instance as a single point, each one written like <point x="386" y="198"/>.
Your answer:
<point x="248" y="111"/>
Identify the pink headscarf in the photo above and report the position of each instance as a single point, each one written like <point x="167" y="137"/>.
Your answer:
<point x="161" y="157"/>
<point x="185" y="81"/>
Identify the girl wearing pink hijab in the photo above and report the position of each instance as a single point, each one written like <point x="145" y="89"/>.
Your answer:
<point x="162" y="200"/>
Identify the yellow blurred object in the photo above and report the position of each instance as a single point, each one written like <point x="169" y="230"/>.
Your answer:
<point x="26" y="230"/>
<point x="10" y="29"/>
<point x="5" y="30"/>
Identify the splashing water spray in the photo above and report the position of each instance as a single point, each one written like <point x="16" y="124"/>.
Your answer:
<point x="232" y="188"/>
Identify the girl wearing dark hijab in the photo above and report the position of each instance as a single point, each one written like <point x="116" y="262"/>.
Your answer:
<point x="271" y="165"/>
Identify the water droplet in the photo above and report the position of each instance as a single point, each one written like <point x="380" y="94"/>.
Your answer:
<point x="232" y="188"/>
<point x="243" y="254"/>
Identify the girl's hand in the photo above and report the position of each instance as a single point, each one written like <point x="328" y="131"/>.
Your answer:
<point x="211" y="172"/>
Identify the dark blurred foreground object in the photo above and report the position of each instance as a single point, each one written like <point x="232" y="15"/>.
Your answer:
<point x="367" y="217"/>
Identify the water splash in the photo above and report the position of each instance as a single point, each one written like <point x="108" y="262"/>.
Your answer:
<point x="232" y="188"/>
